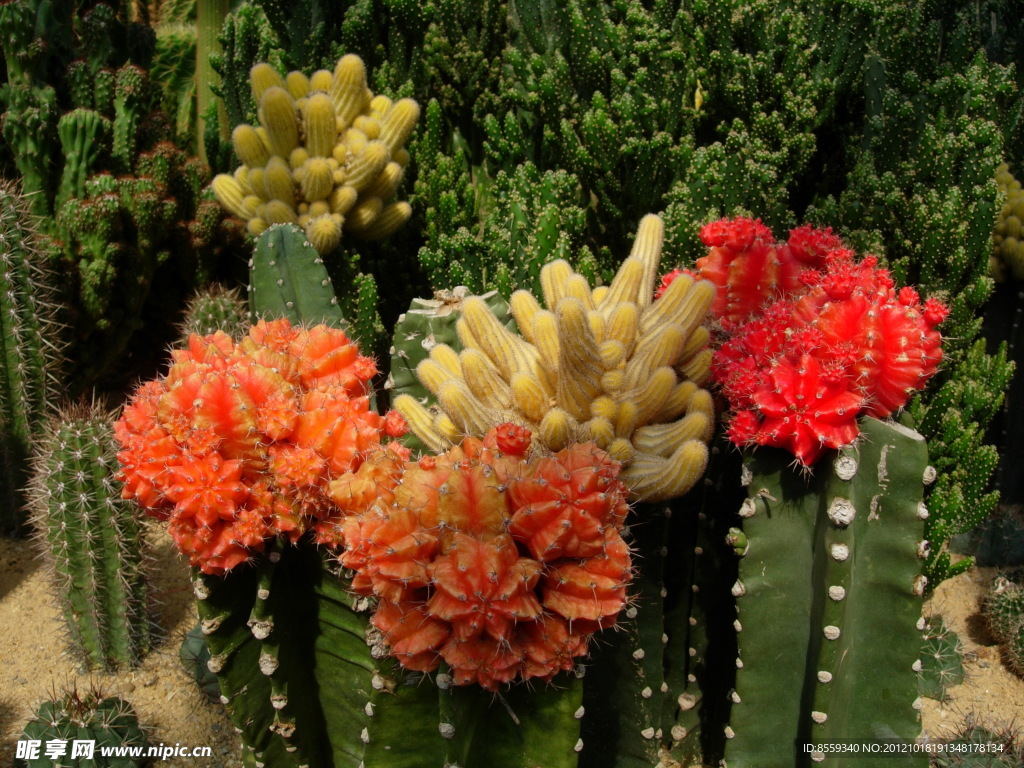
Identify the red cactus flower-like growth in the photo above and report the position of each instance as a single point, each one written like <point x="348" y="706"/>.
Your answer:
<point x="839" y="342"/>
<point x="499" y="562"/>
<point x="238" y="442"/>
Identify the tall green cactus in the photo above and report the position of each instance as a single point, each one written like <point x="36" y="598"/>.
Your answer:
<point x="30" y="348"/>
<point x="832" y="566"/>
<point x="92" y="539"/>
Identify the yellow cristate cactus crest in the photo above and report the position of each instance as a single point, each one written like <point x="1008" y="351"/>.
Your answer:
<point x="327" y="155"/>
<point x="609" y="364"/>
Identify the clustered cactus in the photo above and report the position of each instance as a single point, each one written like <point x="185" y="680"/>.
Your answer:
<point x="1008" y="256"/>
<point x="837" y="340"/>
<point x="327" y="155"/>
<point x="499" y="561"/>
<point x="608" y="364"/>
<point x="235" y="444"/>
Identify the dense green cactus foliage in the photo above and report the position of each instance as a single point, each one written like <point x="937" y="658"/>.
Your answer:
<point x="31" y="356"/>
<point x="825" y="569"/>
<point x="215" y="308"/>
<point x="72" y="716"/>
<point x="92" y="539"/>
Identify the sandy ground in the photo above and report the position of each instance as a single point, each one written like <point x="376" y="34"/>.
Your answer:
<point x="33" y="660"/>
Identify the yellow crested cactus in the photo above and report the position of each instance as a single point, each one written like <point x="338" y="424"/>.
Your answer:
<point x="608" y="364"/>
<point x="327" y="154"/>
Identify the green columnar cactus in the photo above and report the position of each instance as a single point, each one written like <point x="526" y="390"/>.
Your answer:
<point x="828" y="570"/>
<point x="92" y="539"/>
<point x="30" y="349"/>
<point x="70" y="716"/>
<point x="83" y="137"/>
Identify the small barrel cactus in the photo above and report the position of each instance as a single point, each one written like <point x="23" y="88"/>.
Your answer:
<point x="195" y="657"/>
<point x="70" y="729"/>
<point x="941" y="660"/>
<point x="1004" y="613"/>
<point x="215" y="308"/>
<point x="92" y="538"/>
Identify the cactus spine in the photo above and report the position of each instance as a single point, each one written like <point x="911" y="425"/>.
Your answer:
<point x="29" y="349"/>
<point x="828" y="570"/>
<point x="92" y="538"/>
<point x="69" y="716"/>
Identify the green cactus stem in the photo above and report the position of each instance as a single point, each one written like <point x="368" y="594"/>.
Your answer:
<point x="215" y="308"/>
<point x="210" y="16"/>
<point x="92" y="539"/>
<point x="30" y="349"/>
<point x="71" y="716"/>
<point x="288" y="279"/>
<point x="83" y="137"/>
<point x="833" y="563"/>
<point x="195" y="657"/>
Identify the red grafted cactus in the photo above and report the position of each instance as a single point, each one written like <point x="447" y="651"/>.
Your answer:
<point x="500" y="562"/>
<point x="842" y="342"/>
<point x="238" y="442"/>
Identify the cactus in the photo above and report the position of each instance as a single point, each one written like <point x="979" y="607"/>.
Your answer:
<point x="941" y="660"/>
<point x="595" y="365"/>
<point x="32" y="348"/>
<point x="824" y="570"/>
<point x="1003" y="610"/>
<point x="195" y="657"/>
<point x="349" y="164"/>
<point x="215" y="308"/>
<point x="979" y="747"/>
<point x="70" y="718"/>
<point x="92" y="539"/>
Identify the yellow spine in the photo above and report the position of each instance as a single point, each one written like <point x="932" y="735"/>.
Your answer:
<point x="484" y="380"/>
<point x="678" y="401"/>
<point x="387" y="222"/>
<point x="625" y="286"/>
<point x="297" y="85"/>
<point x="545" y="337"/>
<point x="379" y="106"/>
<point x="605" y="407"/>
<point x="229" y="193"/>
<point x="324" y="233"/>
<point x="447" y="428"/>
<point x="321" y="80"/>
<point x="598" y="294"/>
<point x="651" y="395"/>
<point x="553" y="278"/>
<point x="248" y="146"/>
<point x="297" y="159"/>
<point x="448" y="359"/>
<point x="362" y="216"/>
<point x="387" y="181"/>
<point x="664" y="439"/>
<point x="421" y="423"/>
<point x="597" y="324"/>
<point x="320" y="124"/>
<point x="667" y="308"/>
<point x="579" y="363"/>
<point x="697" y="341"/>
<point x="279" y="212"/>
<point x="529" y="396"/>
<point x="612" y="354"/>
<point x="698" y="368"/>
<point x="557" y="429"/>
<point x="241" y="175"/>
<point x="600" y="430"/>
<point x="620" y="449"/>
<point x="653" y="352"/>
<point x="398" y="124"/>
<point x="626" y="421"/>
<point x="524" y="307"/>
<point x="261" y="78"/>
<point x="368" y="125"/>
<point x="577" y="287"/>
<point x="277" y="110"/>
<point x="366" y="166"/>
<point x="653" y="478"/>
<point x="468" y="413"/>
<point x="277" y="180"/>
<point x="342" y="199"/>
<point x="256" y="226"/>
<point x="650" y="236"/>
<point x="317" y="179"/>
<point x="348" y="89"/>
<point x="510" y="353"/>
<point x="433" y="375"/>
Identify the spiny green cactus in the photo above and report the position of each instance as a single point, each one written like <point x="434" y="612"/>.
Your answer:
<point x="92" y="539"/>
<point x="70" y="717"/>
<point x="30" y="348"/>
<point x="941" y="660"/>
<point x="977" y="746"/>
<point x="827" y="571"/>
<point x="215" y="308"/>
<point x="1003" y="609"/>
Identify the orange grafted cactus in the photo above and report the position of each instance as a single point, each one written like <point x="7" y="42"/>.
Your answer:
<point x="240" y="442"/>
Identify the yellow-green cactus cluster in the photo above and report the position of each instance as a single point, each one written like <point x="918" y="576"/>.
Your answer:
<point x="1008" y="239"/>
<point x="327" y="156"/>
<point x="608" y="364"/>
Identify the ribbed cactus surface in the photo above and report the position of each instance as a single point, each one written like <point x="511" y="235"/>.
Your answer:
<point x="29" y="349"/>
<point x="832" y="566"/>
<point x="92" y="539"/>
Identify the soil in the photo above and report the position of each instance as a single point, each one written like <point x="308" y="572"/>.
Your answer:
<point x="34" y="661"/>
